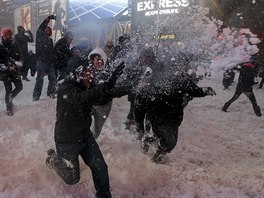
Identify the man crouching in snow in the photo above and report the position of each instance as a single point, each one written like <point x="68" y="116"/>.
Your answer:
<point x="72" y="133"/>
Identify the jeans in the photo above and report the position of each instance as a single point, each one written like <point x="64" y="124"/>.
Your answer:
<point x="42" y="70"/>
<point x="249" y="93"/>
<point x="100" y="114"/>
<point x="66" y="164"/>
<point x="10" y="92"/>
<point x="25" y="68"/>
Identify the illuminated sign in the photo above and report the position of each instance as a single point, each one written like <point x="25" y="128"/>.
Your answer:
<point x="59" y="8"/>
<point x="161" y="6"/>
<point x="167" y="36"/>
<point x="25" y="17"/>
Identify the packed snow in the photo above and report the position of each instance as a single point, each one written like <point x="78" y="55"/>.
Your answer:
<point x="218" y="154"/>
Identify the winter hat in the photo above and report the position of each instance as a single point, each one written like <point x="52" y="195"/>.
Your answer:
<point x="6" y="32"/>
<point x="99" y="51"/>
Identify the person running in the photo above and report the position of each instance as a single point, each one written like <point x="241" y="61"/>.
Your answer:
<point x="244" y="85"/>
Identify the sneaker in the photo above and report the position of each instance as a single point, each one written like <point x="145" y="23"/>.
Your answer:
<point x="51" y="153"/>
<point x="158" y="158"/>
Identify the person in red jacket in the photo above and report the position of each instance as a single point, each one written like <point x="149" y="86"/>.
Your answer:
<point x="245" y="82"/>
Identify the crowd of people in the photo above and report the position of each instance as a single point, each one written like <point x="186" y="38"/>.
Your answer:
<point x="85" y="81"/>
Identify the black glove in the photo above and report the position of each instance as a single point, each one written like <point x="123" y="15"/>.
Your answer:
<point x="209" y="91"/>
<point x="118" y="71"/>
<point x="52" y="17"/>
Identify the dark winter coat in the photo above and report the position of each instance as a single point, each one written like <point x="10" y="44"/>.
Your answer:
<point x="9" y="52"/>
<point x="246" y="77"/>
<point x="164" y="104"/>
<point x="22" y="42"/>
<point x="63" y="54"/>
<point x="44" y="44"/>
<point x="74" y="105"/>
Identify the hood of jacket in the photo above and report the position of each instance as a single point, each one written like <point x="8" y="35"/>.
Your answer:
<point x="100" y="51"/>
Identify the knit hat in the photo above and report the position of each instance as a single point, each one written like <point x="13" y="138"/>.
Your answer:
<point x="6" y="31"/>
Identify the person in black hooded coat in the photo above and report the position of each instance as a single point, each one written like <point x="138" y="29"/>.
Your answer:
<point x="22" y="39"/>
<point x="160" y="98"/>
<point x="63" y="53"/>
<point x="73" y="137"/>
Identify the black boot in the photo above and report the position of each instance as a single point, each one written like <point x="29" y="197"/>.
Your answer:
<point x="225" y="107"/>
<point x="257" y="111"/>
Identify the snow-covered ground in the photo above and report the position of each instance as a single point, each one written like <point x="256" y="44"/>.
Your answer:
<point x="218" y="154"/>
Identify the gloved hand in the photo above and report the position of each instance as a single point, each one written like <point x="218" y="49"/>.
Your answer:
<point x="118" y="71"/>
<point x="52" y="17"/>
<point x="3" y="67"/>
<point x="209" y="91"/>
